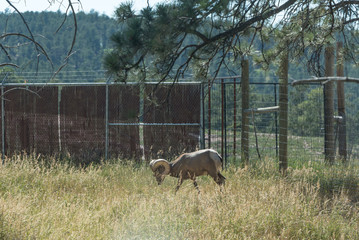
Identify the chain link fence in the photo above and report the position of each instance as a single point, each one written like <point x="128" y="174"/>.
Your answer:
<point x="222" y="120"/>
<point x="222" y="110"/>
<point x="92" y="121"/>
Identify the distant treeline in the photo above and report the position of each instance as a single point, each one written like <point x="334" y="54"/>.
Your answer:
<point x="92" y="39"/>
<point x="94" y="32"/>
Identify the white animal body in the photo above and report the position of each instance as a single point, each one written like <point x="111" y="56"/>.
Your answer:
<point x="190" y="166"/>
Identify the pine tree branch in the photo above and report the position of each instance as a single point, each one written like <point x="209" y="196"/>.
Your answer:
<point x="242" y="26"/>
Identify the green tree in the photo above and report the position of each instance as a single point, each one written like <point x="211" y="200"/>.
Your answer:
<point x="306" y="113"/>
<point x="93" y="38"/>
<point x="203" y="36"/>
<point x="21" y="38"/>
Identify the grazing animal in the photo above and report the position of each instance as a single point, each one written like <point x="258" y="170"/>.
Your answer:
<point x="190" y="166"/>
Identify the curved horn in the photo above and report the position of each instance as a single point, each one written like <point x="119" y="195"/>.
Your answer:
<point x="154" y="164"/>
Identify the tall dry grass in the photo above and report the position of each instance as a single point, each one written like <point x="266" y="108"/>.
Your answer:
<point x="44" y="199"/>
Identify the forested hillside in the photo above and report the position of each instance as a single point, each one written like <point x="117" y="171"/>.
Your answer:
<point x="92" y="39"/>
<point x="94" y="32"/>
<point x="55" y="33"/>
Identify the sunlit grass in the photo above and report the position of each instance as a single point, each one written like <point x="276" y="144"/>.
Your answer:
<point x="44" y="199"/>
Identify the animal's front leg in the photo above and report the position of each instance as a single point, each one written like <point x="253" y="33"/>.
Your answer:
<point x="179" y="183"/>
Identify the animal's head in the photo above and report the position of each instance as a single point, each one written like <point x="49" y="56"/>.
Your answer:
<point x="160" y="169"/>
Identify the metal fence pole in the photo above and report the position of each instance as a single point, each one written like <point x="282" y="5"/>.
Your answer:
<point x="3" y="120"/>
<point x="245" y="120"/>
<point x="2" y="124"/>
<point x="234" y="116"/>
<point x="222" y="119"/>
<point x="276" y="119"/>
<point x="106" y="122"/>
<point x="201" y="140"/>
<point x="209" y="113"/>
<point x="225" y="123"/>
<point x="59" y="88"/>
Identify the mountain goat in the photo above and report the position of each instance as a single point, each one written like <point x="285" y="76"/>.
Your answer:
<point x="190" y="166"/>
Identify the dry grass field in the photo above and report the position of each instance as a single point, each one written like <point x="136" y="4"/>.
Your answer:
<point x="41" y="198"/>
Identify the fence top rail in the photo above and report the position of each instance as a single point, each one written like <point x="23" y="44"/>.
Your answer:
<point x="153" y="124"/>
<point x="325" y="80"/>
<point x="228" y="77"/>
<point x="262" y="110"/>
<point x="92" y="84"/>
<point x="39" y="84"/>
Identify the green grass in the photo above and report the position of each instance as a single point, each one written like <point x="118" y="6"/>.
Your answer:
<point x="44" y="199"/>
<point x="299" y="147"/>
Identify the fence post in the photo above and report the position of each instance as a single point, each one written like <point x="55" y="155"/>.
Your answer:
<point x="2" y="124"/>
<point x="224" y="123"/>
<point x="209" y="113"/>
<point x="222" y="118"/>
<point x="106" y="121"/>
<point x="342" y="135"/>
<point x="329" y="142"/>
<point x="202" y="124"/>
<point x="245" y="106"/>
<point x="59" y="89"/>
<point x="283" y="113"/>
<point x="234" y="116"/>
<point x="276" y="120"/>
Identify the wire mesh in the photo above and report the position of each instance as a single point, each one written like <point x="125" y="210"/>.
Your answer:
<point x="223" y="119"/>
<point x="306" y="127"/>
<point x="306" y="122"/>
<point x="177" y="104"/>
<point x="70" y="119"/>
<point x="263" y="135"/>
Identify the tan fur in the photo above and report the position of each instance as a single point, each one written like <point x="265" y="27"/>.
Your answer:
<point x="192" y="165"/>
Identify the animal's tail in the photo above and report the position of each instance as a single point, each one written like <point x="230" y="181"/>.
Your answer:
<point x="214" y="155"/>
<point x="220" y="158"/>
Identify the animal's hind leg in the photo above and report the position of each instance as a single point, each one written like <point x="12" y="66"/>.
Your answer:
<point x="196" y="186"/>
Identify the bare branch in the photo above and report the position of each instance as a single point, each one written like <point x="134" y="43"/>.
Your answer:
<point x="38" y="45"/>
<point x="29" y="30"/>
<point x="351" y="21"/>
<point x="19" y="88"/>
<point x="6" y="52"/>
<point x="345" y="3"/>
<point x="70" y="52"/>
<point x="8" y="64"/>
<point x="75" y="24"/>
<point x="198" y="34"/>
<point x="251" y="21"/>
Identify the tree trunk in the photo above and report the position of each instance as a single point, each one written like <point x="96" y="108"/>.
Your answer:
<point x="342" y="135"/>
<point x="329" y="139"/>
<point x="283" y="113"/>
